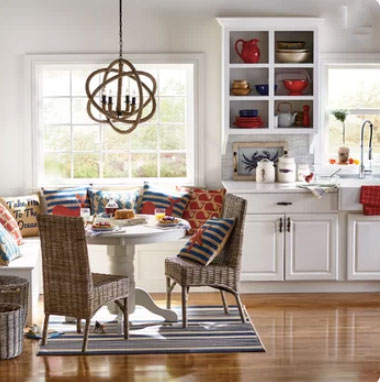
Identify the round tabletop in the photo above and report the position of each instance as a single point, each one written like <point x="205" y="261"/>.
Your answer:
<point x="145" y="233"/>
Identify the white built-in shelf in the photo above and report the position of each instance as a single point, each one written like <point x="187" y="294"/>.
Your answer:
<point x="294" y="66"/>
<point x="263" y="130"/>
<point x="249" y="98"/>
<point x="294" y="98"/>
<point x="267" y="71"/>
<point x="248" y="66"/>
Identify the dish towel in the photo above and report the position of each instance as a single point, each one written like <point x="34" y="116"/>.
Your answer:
<point x="319" y="191"/>
<point x="370" y="198"/>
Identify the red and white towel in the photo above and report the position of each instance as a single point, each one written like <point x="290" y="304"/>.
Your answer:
<point x="370" y="198"/>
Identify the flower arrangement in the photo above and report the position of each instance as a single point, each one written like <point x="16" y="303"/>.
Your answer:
<point x="341" y="116"/>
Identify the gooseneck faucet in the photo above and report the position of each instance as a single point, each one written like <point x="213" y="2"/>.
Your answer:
<point x="362" y="170"/>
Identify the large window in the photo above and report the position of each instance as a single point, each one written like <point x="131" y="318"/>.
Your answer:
<point x="72" y="148"/>
<point x="355" y="88"/>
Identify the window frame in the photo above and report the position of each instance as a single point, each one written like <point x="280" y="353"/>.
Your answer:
<point x="195" y="141"/>
<point x="338" y="60"/>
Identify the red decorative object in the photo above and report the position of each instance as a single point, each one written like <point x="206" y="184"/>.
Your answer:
<point x="250" y="52"/>
<point x="296" y="87"/>
<point x="249" y="123"/>
<point x="306" y="116"/>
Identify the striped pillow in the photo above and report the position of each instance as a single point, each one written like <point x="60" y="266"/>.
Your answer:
<point x="10" y="224"/>
<point x="124" y="199"/>
<point x="9" y="249"/>
<point x="73" y="198"/>
<point x="208" y="241"/>
<point x="155" y="197"/>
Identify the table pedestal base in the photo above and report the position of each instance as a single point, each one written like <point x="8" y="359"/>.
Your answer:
<point x="121" y="263"/>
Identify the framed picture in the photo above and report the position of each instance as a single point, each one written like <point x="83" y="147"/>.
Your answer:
<point x="246" y="155"/>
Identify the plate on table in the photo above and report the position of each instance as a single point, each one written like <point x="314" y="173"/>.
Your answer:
<point x="103" y="229"/>
<point x="168" y="223"/>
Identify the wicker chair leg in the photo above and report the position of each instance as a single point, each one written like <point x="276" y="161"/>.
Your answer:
<point x="78" y="325"/>
<point x="240" y="306"/>
<point x="45" y="329"/>
<point x="85" y="337"/>
<point x="169" y="288"/>
<point x="126" y="319"/>
<point x="225" y="305"/>
<point x="184" y="306"/>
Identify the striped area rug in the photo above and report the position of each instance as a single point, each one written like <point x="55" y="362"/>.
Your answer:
<point x="210" y="331"/>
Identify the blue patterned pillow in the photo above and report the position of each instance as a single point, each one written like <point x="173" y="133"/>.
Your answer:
<point x="124" y="199"/>
<point x="156" y="197"/>
<point x="73" y="198"/>
<point x="9" y="249"/>
<point x="208" y="241"/>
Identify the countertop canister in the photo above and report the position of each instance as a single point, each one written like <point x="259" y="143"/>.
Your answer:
<point x="265" y="172"/>
<point x="286" y="169"/>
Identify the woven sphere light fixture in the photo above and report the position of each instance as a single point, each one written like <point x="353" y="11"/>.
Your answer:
<point x="122" y="112"/>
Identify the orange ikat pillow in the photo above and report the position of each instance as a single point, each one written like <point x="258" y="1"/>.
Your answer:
<point x="204" y="204"/>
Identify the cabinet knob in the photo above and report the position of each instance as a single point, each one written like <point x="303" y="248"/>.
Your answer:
<point x="288" y="226"/>
<point x="280" y="225"/>
<point x="284" y="203"/>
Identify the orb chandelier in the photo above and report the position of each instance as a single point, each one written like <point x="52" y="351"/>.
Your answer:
<point x="124" y="111"/>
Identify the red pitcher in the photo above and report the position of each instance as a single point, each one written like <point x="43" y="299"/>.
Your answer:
<point x="250" y="52"/>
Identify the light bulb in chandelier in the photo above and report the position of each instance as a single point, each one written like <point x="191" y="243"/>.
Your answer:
<point x="121" y="112"/>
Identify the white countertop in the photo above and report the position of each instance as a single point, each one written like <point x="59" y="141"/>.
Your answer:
<point x="244" y="187"/>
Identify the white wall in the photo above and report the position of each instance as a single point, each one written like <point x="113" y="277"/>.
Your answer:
<point x="91" y="26"/>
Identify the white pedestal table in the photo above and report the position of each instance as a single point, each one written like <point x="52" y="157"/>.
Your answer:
<point x="121" y="252"/>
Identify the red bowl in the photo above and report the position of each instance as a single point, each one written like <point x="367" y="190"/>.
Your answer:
<point x="296" y="87"/>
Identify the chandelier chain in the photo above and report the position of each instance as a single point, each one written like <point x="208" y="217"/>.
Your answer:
<point x="121" y="28"/>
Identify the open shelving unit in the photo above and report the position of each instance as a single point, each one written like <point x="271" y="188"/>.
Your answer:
<point x="269" y="70"/>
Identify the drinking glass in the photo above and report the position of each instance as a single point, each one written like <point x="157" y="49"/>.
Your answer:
<point x="85" y="213"/>
<point x="159" y="213"/>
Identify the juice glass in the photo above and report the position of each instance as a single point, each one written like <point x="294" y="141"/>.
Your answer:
<point x="159" y="213"/>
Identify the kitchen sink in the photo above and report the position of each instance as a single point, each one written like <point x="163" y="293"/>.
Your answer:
<point x="349" y="190"/>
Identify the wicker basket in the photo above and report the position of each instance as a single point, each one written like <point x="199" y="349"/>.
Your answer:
<point x="14" y="290"/>
<point x="11" y="331"/>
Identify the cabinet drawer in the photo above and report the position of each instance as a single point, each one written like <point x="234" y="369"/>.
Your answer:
<point x="284" y="203"/>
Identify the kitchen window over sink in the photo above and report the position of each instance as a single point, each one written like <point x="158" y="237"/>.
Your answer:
<point x="70" y="148"/>
<point x="353" y="86"/>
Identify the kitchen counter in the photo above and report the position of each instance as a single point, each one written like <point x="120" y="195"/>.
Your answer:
<point x="237" y="187"/>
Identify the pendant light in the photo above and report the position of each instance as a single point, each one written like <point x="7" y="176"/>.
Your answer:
<point x="123" y="112"/>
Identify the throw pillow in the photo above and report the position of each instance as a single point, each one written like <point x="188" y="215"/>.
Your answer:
<point x="207" y="243"/>
<point x="25" y="210"/>
<point x="124" y="199"/>
<point x="9" y="250"/>
<point x="156" y="197"/>
<point x="204" y="204"/>
<point x="74" y="198"/>
<point x="10" y="224"/>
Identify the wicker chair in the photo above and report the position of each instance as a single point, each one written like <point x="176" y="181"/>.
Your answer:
<point x="70" y="289"/>
<point x="223" y="273"/>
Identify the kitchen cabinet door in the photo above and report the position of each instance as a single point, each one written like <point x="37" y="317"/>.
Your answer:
<point x="311" y="246"/>
<point x="263" y="248"/>
<point x="363" y="247"/>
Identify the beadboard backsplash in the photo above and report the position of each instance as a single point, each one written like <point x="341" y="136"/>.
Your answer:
<point x="298" y="146"/>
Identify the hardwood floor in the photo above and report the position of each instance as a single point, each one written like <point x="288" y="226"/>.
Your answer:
<point x="308" y="337"/>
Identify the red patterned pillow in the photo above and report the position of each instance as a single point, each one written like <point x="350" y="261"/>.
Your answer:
<point x="204" y="204"/>
<point x="10" y="224"/>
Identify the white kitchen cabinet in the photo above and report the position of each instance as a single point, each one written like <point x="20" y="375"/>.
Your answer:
<point x="263" y="249"/>
<point x="363" y="247"/>
<point x="311" y="246"/>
